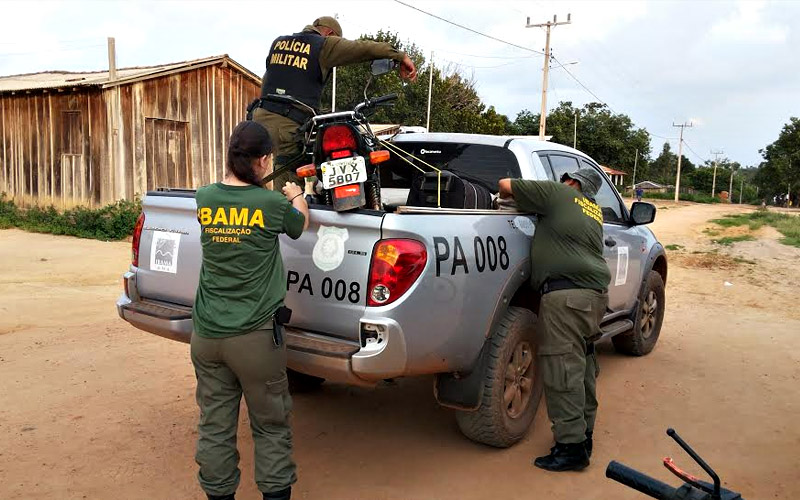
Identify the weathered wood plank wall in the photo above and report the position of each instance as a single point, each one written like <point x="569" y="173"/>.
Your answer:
<point x="61" y="148"/>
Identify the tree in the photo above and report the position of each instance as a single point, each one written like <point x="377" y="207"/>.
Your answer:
<point x="611" y="139"/>
<point x="780" y="169"/>
<point x="455" y="104"/>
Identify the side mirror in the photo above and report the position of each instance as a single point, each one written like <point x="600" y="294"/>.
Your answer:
<point x="381" y="66"/>
<point x="643" y="213"/>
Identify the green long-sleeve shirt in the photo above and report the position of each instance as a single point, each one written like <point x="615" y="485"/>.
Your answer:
<point x="337" y="51"/>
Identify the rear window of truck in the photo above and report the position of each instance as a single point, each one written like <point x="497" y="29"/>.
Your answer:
<point x="479" y="163"/>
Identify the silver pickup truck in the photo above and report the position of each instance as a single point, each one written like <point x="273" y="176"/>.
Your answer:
<point x="411" y="291"/>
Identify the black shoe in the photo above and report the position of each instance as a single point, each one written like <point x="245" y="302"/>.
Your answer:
<point x="222" y="497"/>
<point x="279" y="495"/>
<point x="588" y="443"/>
<point x="564" y="457"/>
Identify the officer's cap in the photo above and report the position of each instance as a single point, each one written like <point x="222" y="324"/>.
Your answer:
<point x="329" y="22"/>
<point x="588" y="178"/>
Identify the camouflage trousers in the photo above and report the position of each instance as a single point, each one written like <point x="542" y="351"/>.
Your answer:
<point x="226" y="368"/>
<point x="283" y="133"/>
<point x="567" y="319"/>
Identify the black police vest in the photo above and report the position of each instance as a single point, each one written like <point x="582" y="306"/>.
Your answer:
<point x="293" y="68"/>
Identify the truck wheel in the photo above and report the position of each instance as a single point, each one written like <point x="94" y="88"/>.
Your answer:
<point x="512" y="390"/>
<point x="647" y="324"/>
<point x="300" y="382"/>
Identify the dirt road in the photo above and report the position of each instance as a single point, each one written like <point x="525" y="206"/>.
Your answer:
<point x="94" y="409"/>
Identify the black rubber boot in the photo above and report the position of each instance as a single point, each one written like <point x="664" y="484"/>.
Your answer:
<point x="222" y="497"/>
<point x="564" y="457"/>
<point x="279" y="495"/>
<point x="588" y="443"/>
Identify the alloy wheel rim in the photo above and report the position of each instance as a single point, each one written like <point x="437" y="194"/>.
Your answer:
<point x="518" y="380"/>
<point x="648" y="316"/>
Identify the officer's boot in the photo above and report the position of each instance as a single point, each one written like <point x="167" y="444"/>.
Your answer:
<point x="222" y="497"/>
<point x="564" y="457"/>
<point x="279" y="495"/>
<point x="588" y="443"/>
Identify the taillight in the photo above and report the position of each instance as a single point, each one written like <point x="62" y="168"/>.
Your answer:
<point x="137" y="235"/>
<point x="337" y="137"/>
<point x="396" y="265"/>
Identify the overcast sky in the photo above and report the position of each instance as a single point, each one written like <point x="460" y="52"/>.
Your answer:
<point x="732" y="68"/>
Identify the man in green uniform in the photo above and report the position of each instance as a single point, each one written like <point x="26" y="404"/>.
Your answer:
<point x="569" y="271"/>
<point x="298" y="65"/>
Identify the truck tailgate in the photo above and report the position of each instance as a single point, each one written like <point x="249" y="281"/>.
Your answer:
<point x="326" y="268"/>
<point x="169" y="251"/>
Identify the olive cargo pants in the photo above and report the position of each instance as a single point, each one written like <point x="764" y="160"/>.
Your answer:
<point x="226" y="368"/>
<point x="283" y="132"/>
<point x="567" y="318"/>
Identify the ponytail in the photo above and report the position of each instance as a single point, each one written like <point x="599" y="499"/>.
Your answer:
<point x="249" y="142"/>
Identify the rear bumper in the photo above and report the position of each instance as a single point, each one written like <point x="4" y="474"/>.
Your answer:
<point x="382" y="356"/>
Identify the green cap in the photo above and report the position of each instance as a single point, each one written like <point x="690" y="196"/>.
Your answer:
<point x="589" y="180"/>
<point x="329" y="22"/>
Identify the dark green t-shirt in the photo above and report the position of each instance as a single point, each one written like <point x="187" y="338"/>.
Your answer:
<point x="568" y="242"/>
<point x="242" y="281"/>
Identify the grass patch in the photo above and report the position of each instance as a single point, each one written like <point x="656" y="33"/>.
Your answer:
<point x="787" y="225"/>
<point x="674" y="247"/>
<point x="112" y="222"/>
<point x="710" y="232"/>
<point x="730" y="240"/>
<point x="742" y="260"/>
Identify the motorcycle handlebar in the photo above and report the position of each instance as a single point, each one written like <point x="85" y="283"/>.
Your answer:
<point x="640" y="482"/>
<point x="384" y="98"/>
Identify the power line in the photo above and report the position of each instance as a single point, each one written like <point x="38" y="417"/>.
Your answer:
<point x="693" y="151"/>
<point x="485" y="57"/>
<point x="469" y="29"/>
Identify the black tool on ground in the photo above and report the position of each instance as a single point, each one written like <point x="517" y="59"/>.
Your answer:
<point x="692" y="489"/>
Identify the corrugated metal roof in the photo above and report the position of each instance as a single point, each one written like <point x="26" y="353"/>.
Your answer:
<point x="611" y="171"/>
<point x="68" y="79"/>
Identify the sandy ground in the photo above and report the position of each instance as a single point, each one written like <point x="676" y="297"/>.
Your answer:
<point x="95" y="409"/>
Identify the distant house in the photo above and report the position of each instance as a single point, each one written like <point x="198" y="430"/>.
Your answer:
<point x="84" y="139"/>
<point x="617" y="176"/>
<point x="651" y="186"/>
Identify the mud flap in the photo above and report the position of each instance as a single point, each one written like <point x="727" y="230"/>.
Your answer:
<point x="463" y="391"/>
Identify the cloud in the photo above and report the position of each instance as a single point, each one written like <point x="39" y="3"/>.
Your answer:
<point x="747" y="25"/>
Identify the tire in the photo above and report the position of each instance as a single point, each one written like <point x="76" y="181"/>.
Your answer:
<point x="300" y="382"/>
<point x="647" y="324"/>
<point x="497" y="423"/>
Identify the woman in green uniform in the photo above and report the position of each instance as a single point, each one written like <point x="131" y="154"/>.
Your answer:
<point x="236" y="346"/>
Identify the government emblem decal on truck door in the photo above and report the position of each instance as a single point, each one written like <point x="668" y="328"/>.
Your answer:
<point x="329" y="250"/>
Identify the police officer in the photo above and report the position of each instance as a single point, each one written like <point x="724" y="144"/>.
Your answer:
<point x="237" y="345"/>
<point x="572" y="277"/>
<point x="298" y="65"/>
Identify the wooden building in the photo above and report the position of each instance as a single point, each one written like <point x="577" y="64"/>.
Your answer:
<point x="70" y="139"/>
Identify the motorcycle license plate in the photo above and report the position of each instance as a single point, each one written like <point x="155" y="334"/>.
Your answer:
<point x="345" y="171"/>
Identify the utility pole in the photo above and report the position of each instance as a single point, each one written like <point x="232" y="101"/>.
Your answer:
<point x="548" y="25"/>
<point x="741" y="188"/>
<point x="633" y="180"/>
<point x="730" y="188"/>
<point x="714" y="181"/>
<point x="680" y="155"/>
<point x="333" y="87"/>
<point x="430" y="94"/>
<point x="575" y="133"/>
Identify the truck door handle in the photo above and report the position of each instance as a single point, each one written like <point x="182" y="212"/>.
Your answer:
<point x="610" y="242"/>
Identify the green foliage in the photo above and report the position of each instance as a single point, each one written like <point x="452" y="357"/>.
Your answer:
<point x="112" y="222"/>
<point x="611" y="139"/>
<point x="674" y="247"/>
<point x="665" y="167"/>
<point x="780" y="169"/>
<point x="787" y="225"/>
<point x="455" y="104"/>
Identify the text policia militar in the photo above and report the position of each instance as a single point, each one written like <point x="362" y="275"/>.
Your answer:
<point x="229" y="222"/>
<point x="294" y="47"/>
